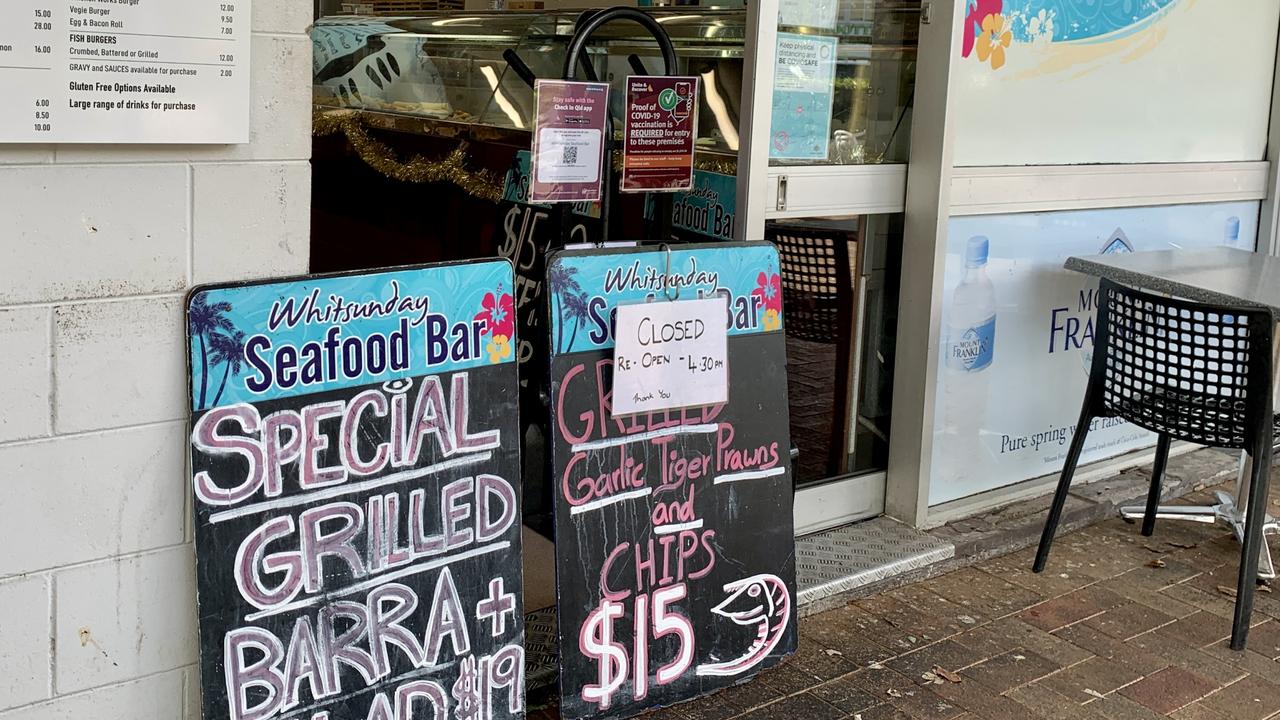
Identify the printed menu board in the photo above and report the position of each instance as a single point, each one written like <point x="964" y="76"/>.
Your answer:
<point x="675" y="556"/>
<point x="124" y="71"/>
<point x="354" y="466"/>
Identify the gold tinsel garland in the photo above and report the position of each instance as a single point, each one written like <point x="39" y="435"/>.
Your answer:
<point x="453" y="168"/>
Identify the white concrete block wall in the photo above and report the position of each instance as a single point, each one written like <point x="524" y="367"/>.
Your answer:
<point x="98" y="245"/>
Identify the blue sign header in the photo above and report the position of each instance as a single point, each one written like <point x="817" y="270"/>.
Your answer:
<point x="587" y="286"/>
<point x="255" y="342"/>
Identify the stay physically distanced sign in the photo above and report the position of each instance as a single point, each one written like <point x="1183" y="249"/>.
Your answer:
<point x="675" y="556"/>
<point x="354" y="465"/>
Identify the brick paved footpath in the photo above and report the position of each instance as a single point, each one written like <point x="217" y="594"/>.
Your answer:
<point x="1119" y="626"/>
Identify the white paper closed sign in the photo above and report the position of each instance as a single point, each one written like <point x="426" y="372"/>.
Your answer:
<point x="670" y="355"/>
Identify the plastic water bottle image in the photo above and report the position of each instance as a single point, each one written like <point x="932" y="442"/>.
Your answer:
<point x="969" y="351"/>
<point x="1231" y="236"/>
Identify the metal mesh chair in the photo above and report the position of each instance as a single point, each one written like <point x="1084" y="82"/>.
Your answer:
<point x="817" y="293"/>
<point x="1186" y="371"/>
<point x="816" y="289"/>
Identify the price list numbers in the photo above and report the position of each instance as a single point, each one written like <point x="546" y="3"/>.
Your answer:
<point x="42" y="49"/>
<point x="28" y="45"/>
<point x="227" y="19"/>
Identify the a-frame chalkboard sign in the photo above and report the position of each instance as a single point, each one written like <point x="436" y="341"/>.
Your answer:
<point x="675" y="562"/>
<point x="354" y="465"/>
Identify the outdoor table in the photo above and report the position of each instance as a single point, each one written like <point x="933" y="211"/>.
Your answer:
<point x="1220" y="275"/>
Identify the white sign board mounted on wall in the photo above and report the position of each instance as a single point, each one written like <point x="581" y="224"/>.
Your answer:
<point x="125" y="71"/>
<point x="1017" y="338"/>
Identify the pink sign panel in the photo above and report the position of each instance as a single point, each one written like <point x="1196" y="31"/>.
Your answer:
<point x="569" y="141"/>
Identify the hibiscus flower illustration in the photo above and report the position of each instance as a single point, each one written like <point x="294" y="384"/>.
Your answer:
<point x="977" y="10"/>
<point x="993" y="40"/>
<point x="769" y="290"/>
<point x="498" y="315"/>
<point x="499" y="348"/>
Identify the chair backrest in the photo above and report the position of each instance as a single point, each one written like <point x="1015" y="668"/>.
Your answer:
<point x="817" y="290"/>
<point x="1193" y="371"/>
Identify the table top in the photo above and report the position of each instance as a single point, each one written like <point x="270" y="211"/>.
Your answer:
<point x="1220" y="275"/>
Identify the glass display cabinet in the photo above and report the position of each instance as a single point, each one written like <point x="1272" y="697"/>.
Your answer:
<point x="444" y="74"/>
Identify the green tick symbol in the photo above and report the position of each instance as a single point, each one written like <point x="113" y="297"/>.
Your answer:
<point x="668" y="99"/>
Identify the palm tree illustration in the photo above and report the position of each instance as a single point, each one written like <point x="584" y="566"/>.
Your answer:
<point x="560" y="278"/>
<point x="203" y="319"/>
<point x="227" y="349"/>
<point x="575" y="308"/>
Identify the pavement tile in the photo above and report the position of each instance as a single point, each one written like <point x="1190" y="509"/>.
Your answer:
<point x="1071" y="608"/>
<point x="1119" y="707"/>
<point x="948" y="654"/>
<point x="804" y="705"/>
<point x="1085" y="681"/>
<point x="882" y="683"/>
<point x="819" y="663"/>
<point x="979" y="700"/>
<point x="883" y="633"/>
<point x="1197" y="711"/>
<point x="1247" y="660"/>
<point x="1105" y="646"/>
<point x="1154" y="599"/>
<point x="985" y="593"/>
<point x="1041" y="701"/>
<point x="788" y="679"/>
<point x="1013" y="632"/>
<point x="753" y="693"/>
<point x="1128" y="620"/>
<point x="1225" y="575"/>
<point x="1176" y="652"/>
<point x="1199" y="630"/>
<point x="712" y="707"/>
<point x="1249" y="699"/>
<point x="1264" y="639"/>
<point x="883" y="711"/>
<point x="1212" y="602"/>
<point x="1156" y="578"/>
<point x="1015" y="568"/>
<point x="1085" y="556"/>
<point x="1168" y="690"/>
<point x="1005" y="672"/>
<point x="846" y="695"/>
<point x="844" y="630"/>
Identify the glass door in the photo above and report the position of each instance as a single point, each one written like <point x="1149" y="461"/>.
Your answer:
<point x="826" y="133"/>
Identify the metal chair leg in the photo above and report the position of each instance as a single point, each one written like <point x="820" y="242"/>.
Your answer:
<point x="1064" y="485"/>
<point x="1255" y="514"/>
<point x="1157" y="479"/>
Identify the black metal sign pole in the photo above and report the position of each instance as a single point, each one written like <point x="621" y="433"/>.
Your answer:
<point x="589" y="24"/>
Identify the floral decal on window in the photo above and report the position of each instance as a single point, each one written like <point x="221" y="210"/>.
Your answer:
<point x="991" y="27"/>
<point x="993" y="41"/>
